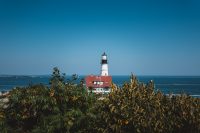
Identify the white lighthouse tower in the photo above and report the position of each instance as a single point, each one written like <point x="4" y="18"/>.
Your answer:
<point x="104" y="65"/>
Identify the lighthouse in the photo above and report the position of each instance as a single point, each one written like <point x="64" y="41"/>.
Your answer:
<point x="104" y="65"/>
<point x="100" y="84"/>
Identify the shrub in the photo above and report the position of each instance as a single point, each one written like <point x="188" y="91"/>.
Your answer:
<point x="38" y="108"/>
<point x="67" y="107"/>
<point x="137" y="107"/>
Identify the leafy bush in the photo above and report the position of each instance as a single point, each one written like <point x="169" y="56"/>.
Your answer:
<point x="38" y="108"/>
<point x="67" y="107"/>
<point x="137" y="107"/>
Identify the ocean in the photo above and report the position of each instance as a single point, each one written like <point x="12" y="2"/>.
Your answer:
<point x="167" y="84"/>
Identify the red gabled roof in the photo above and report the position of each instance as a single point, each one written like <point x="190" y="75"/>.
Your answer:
<point x="105" y="80"/>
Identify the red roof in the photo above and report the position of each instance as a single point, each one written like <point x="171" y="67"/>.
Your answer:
<point x="98" y="81"/>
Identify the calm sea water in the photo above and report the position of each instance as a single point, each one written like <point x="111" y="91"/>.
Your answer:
<point x="167" y="84"/>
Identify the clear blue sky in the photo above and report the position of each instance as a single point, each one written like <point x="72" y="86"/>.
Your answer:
<point x="146" y="37"/>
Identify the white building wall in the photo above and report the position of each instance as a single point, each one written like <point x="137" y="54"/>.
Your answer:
<point x="104" y="70"/>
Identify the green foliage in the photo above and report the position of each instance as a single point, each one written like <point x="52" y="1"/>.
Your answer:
<point x="3" y="126"/>
<point x="67" y="107"/>
<point x="38" y="108"/>
<point x="139" y="108"/>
